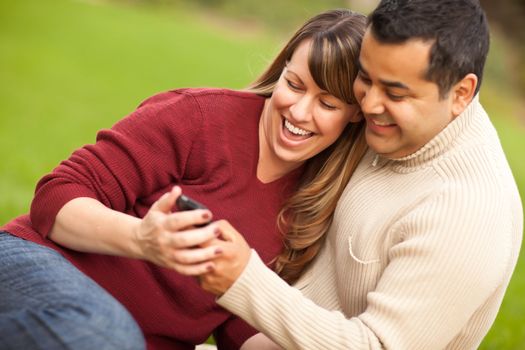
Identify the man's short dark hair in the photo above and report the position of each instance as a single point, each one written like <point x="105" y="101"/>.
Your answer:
<point x="458" y="29"/>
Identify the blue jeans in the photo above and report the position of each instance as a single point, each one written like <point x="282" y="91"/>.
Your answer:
<point x="47" y="303"/>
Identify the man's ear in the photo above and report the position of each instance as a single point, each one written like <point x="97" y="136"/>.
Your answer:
<point x="463" y="93"/>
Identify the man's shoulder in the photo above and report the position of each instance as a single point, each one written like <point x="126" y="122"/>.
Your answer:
<point x="476" y="159"/>
<point x="479" y="176"/>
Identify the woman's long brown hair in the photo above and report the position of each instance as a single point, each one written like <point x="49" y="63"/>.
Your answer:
<point x="306" y="216"/>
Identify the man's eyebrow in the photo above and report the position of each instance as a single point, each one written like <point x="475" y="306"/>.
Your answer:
<point x="388" y="83"/>
<point x="394" y="84"/>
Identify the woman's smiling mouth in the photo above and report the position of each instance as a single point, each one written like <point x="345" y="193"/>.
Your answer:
<point x="295" y="132"/>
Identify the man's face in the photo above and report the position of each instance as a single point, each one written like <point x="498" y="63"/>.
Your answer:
<point x="403" y="110"/>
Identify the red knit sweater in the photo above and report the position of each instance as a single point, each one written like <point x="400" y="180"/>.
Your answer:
<point x="206" y="141"/>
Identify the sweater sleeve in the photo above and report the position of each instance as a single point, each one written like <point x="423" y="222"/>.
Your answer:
<point x="293" y="321"/>
<point x="450" y="260"/>
<point x="142" y="153"/>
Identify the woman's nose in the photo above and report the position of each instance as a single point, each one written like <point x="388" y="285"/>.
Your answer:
<point x="302" y="109"/>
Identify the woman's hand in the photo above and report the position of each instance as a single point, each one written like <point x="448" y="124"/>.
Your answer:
<point x="233" y="256"/>
<point x="170" y="240"/>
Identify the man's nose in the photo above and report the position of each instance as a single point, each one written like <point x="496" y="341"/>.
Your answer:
<point x="372" y="101"/>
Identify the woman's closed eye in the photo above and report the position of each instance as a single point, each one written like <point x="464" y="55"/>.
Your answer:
<point x="292" y="85"/>
<point x="328" y="105"/>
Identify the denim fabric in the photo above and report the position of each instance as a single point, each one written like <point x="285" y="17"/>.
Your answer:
<point x="47" y="303"/>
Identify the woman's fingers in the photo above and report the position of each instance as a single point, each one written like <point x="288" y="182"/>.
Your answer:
<point x="184" y="219"/>
<point x="196" y="259"/>
<point x="195" y="255"/>
<point x="190" y="238"/>
<point x="192" y="270"/>
<point x="179" y="220"/>
<point x="166" y="201"/>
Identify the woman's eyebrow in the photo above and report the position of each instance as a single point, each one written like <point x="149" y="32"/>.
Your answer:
<point x="288" y="70"/>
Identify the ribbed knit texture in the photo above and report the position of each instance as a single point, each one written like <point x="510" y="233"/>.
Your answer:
<point x="206" y="141"/>
<point x="419" y="255"/>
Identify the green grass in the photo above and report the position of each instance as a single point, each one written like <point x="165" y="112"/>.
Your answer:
<point x="504" y="105"/>
<point x="69" y="68"/>
<point x="508" y="331"/>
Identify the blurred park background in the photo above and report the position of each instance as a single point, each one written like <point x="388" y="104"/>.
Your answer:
<point x="71" y="67"/>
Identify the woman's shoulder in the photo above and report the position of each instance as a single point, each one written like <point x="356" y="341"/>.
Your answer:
<point x="200" y="96"/>
<point x="196" y="106"/>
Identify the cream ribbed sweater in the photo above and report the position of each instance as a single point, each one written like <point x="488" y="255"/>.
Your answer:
<point x="419" y="254"/>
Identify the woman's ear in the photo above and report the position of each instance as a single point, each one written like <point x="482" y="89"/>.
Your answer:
<point x="463" y="93"/>
<point x="355" y="114"/>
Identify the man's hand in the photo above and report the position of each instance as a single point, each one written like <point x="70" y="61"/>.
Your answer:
<point x="230" y="263"/>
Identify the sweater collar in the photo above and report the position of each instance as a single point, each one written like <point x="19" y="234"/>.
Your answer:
<point x="438" y="145"/>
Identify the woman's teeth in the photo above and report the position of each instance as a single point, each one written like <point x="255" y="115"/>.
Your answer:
<point x="295" y="130"/>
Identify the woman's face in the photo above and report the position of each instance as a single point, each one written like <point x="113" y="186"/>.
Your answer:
<point x="300" y="119"/>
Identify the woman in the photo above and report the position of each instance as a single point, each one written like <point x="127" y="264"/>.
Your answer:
<point x="108" y="208"/>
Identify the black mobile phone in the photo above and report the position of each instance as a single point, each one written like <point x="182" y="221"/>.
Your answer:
<point x="186" y="203"/>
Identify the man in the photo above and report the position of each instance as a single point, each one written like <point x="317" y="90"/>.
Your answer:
<point x="427" y="233"/>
